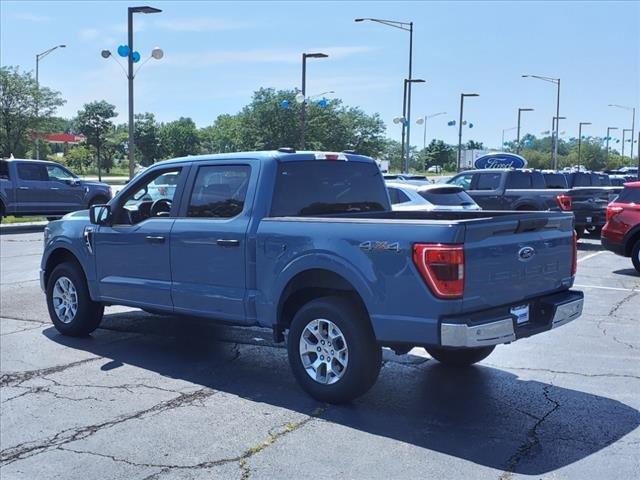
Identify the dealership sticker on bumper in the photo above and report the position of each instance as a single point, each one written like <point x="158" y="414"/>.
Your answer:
<point x="521" y="313"/>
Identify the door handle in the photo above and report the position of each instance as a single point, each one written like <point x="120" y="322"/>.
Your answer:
<point x="23" y="188"/>
<point x="54" y="188"/>
<point x="228" y="243"/>
<point x="154" y="239"/>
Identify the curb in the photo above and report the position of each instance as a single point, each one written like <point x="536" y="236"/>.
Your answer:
<point x="27" y="227"/>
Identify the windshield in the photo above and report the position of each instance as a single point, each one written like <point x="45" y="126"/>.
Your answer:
<point x="322" y="187"/>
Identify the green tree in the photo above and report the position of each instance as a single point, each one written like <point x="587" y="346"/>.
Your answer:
<point x="24" y="109"/>
<point x="437" y="153"/>
<point x="222" y="136"/>
<point x="473" y="145"/>
<point x="146" y="138"/>
<point x="79" y="158"/>
<point x="179" y="138"/>
<point x="94" y="122"/>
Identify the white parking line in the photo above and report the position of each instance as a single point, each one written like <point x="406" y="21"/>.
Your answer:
<point x="590" y="256"/>
<point x="609" y="288"/>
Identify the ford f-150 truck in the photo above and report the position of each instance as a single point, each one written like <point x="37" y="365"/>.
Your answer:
<point x="513" y="189"/>
<point x="306" y="243"/>
<point x="38" y="187"/>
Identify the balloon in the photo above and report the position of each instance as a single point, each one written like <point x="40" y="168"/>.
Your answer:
<point x="284" y="104"/>
<point x="123" y="50"/>
<point x="322" y="103"/>
<point x="451" y="123"/>
<point x="471" y="125"/>
<point x="135" y="56"/>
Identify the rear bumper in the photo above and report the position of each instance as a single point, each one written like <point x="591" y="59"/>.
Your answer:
<point x="496" y="326"/>
<point x="617" y="248"/>
<point x="590" y="218"/>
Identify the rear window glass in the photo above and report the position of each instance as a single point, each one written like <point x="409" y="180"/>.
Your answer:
<point x="516" y="180"/>
<point x="33" y="172"/>
<point x="4" y="169"/>
<point x="447" y="197"/>
<point x="555" y="180"/>
<point x="582" y="180"/>
<point x="326" y="186"/>
<point x="629" y="195"/>
<point x="488" y="181"/>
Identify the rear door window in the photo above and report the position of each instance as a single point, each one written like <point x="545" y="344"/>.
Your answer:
<point x="518" y="180"/>
<point x="453" y="196"/>
<point x="488" y="181"/>
<point x="629" y="195"/>
<point x="397" y="196"/>
<point x="33" y="172"/>
<point x="219" y="191"/>
<point x="555" y="180"/>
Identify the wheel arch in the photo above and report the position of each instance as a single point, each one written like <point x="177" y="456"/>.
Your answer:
<point x="58" y="256"/>
<point x="632" y="237"/>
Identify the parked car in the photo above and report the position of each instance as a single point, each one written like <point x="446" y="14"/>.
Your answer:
<point x="408" y="197"/>
<point x="621" y="233"/>
<point x="408" y="178"/>
<point x="307" y="243"/>
<point x="38" y="187"/>
<point x="523" y="189"/>
<point x="435" y="169"/>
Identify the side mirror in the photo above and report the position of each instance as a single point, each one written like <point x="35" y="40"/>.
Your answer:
<point x="73" y="182"/>
<point x="100" y="214"/>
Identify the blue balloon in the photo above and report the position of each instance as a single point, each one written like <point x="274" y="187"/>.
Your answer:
<point x="322" y="103"/>
<point x="284" y="104"/>
<point x="451" y="123"/>
<point x="123" y="50"/>
<point x="471" y="125"/>
<point x="135" y="56"/>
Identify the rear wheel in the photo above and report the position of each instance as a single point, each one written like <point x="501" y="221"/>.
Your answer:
<point x="70" y="306"/>
<point x="460" y="357"/>
<point x="635" y="256"/>
<point x="595" y="231"/>
<point x="579" y="232"/>
<point x="332" y="350"/>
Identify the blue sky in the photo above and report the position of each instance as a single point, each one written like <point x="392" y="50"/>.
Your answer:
<point x="218" y="53"/>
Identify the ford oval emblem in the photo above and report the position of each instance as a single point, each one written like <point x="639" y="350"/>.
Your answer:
<point x="526" y="253"/>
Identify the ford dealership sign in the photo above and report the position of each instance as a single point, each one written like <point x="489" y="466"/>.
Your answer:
<point x="500" y="160"/>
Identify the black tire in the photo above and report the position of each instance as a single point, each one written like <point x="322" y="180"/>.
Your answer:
<point x="89" y="313"/>
<point x="635" y="256"/>
<point x="579" y="232"/>
<point x="595" y="231"/>
<point x="460" y="357"/>
<point x="364" y="353"/>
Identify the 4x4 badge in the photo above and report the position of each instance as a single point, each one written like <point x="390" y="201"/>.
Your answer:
<point x="379" y="246"/>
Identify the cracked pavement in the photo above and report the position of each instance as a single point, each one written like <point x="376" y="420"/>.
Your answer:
<point x="153" y="397"/>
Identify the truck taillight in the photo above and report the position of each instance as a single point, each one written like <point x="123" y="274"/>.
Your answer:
<point x="574" y="260"/>
<point x="613" y="211"/>
<point x="441" y="267"/>
<point x="564" y="202"/>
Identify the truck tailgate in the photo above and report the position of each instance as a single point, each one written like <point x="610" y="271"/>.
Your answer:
<point x="509" y="260"/>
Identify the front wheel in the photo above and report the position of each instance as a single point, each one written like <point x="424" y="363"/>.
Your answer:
<point x="332" y="350"/>
<point x="71" y="309"/>
<point x="635" y="256"/>
<point x="460" y="357"/>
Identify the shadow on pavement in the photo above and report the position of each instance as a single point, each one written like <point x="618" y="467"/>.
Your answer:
<point x="483" y="415"/>
<point x="627" y="271"/>
<point x="589" y="247"/>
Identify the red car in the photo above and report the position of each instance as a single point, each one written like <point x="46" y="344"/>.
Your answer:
<point x="621" y="233"/>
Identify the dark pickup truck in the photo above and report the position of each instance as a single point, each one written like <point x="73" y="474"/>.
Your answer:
<point x="307" y="243"/>
<point x="512" y="189"/>
<point x="39" y="187"/>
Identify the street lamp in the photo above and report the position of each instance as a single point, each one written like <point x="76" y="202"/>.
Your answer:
<point x="303" y="114"/>
<point x="555" y="81"/>
<point x="503" y="132"/>
<point x="406" y="146"/>
<point x="624" y="131"/>
<point x="39" y="57"/>
<point x="520" y="110"/>
<point x="608" y="138"/>
<point x="130" y="75"/>
<point x="406" y="109"/>
<point x="462" y="95"/>
<point x="423" y="121"/>
<point x="633" y="126"/>
<point x="580" y="139"/>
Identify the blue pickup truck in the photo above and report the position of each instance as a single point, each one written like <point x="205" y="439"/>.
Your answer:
<point x="40" y="187"/>
<point x="306" y="243"/>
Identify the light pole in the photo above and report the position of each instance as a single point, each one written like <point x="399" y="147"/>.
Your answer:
<point x="39" y="57"/>
<point x="520" y="110"/>
<point x="406" y="146"/>
<point x="303" y="113"/>
<point x="423" y="120"/>
<point x="406" y="109"/>
<point x="503" y="132"/>
<point x="608" y="137"/>
<point x="462" y="95"/>
<point x="555" y="81"/>
<point x="580" y="140"/>
<point x="130" y="75"/>
<point x="633" y="124"/>
<point x="624" y="131"/>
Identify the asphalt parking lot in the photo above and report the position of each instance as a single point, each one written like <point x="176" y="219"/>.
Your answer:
<point x="149" y="397"/>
